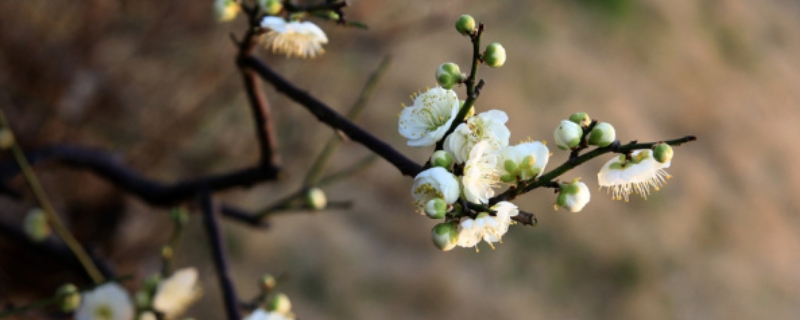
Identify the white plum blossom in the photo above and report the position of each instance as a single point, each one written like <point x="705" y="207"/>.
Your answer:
<point x="260" y="314"/>
<point x="106" y="302"/>
<point x="622" y="176"/>
<point x="295" y="38"/>
<point x="489" y="126"/>
<point x="435" y="182"/>
<point x="427" y="120"/>
<point x="525" y="160"/>
<point x="480" y="173"/>
<point x="177" y="292"/>
<point x="485" y="226"/>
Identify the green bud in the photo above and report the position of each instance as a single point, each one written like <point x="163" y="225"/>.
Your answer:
<point x="267" y="282"/>
<point x="142" y="299"/>
<point x="602" y="135"/>
<point x="167" y="252"/>
<point x="448" y="75"/>
<point x="465" y="24"/>
<point x="271" y="7"/>
<point x="442" y="159"/>
<point x="69" y="298"/>
<point x="662" y="152"/>
<point x="573" y="196"/>
<point x="226" y="10"/>
<point x="568" y="135"/>
<point x="6" y="138"/>
<point x="581" y="118"/>
<point x="315" y="199"/>
<point x="36" y="225"/>
<point x="445" y="235"/>
<point x="179" y="215"/>
<point x="495" y="55"/>
<point x="436" y="208"/>
<point x="280" y="303"/>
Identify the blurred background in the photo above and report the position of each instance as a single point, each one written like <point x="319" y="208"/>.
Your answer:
<point x="155" y="82"/>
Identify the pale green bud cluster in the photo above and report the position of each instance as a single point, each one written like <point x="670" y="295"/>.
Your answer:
<point x="271" y="7"/>
<point x="465" y="24"/>
<point x="573" y="196"/>
<point x="280" y="303"/>
<point x="268" y="282"/>
<point x="69" y="298"/>
<point x="445" y="235"/>
<point x="568" y="135"/>
<point x="495" y="55"/>
<point x="662" y="152"/>
<point x="448" y="75"/>
<point x="602" y="135"/>
<point x="442" y="159"/>
<point x="315" y="199"/>
<point x="581" y="118"/>
<point x="36" y="225"/>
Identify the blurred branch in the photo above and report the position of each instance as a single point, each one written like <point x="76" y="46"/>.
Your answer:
<point x="212" y="227"/>
<point x="153" y="192"/>
<point x="574" y="161"/>
<point x="335" y="140"/>
<point x="330" y="117"/>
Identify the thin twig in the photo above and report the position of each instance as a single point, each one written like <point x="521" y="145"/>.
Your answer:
<point x="50" y="211"/>
<point x="220" y="259"/>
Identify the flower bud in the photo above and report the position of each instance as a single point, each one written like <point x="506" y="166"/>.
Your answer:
<point x="167" y="252"/>
<point x="280" y="303"/>
<point x="147" y="315"/>
<point x="226" y="10"/>
<point x="267" y="282"/>
<point x="68" y="297"/>
<point x="465" y="24"/>
<point x="662" y="152"/>
<point x="6" y="138"/>
<point x="36" y="225"/>
<point x="271" y="7"/>
<point x="315" y="199"/>
<point x="448" y="75"/>
<point x="442" y="159"/>
<point x="568" y="135"/>
<point x="436" y="208"/>
<point x="602" y="135"/>
<point x="495" y="55"/>
<point x="445" y="235"/>
<point x="573" y="196"/>
<point x="581" y="118"/>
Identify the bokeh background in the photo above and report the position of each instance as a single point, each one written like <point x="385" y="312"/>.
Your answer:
<point x="155" y="82"/>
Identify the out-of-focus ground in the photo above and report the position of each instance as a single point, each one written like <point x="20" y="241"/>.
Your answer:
<point x="155" y="81"/>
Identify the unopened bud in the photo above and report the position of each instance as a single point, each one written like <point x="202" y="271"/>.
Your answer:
<point x="581" y="118"/>
<point x="573" y="196"/>
<point x="167" y="252"/>
<point x="448" y="75"/>
<point x="495" y="55"/>
<point x="662" y="152"/>
<point x="315" y="199"/>
<point x="465" y="24"/>
<point x="280" y="303"/>
<point x="226" y="10"/>
<point x="445" y="235"/>
<point x="36" y="225"/>
<point x="6" y="138"/>
<point x="602" y="135"/>
<point x="267" y="282"/>
<point x="436" y="208"/>
<point x="442" y="159"/>
<point x="68" y="297"/>
<point x="271" y="7"/>
<point x="568" y="135"/>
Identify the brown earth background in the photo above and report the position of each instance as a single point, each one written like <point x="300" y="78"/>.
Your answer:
<point x="155" y="82"/>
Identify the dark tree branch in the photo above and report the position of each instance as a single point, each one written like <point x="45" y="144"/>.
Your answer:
<point x="330" y="117"/>
<point x="212" y="227"/>
<point x="151" y="191"/>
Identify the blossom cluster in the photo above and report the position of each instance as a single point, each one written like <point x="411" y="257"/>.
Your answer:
<point x="473" y="158"/>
